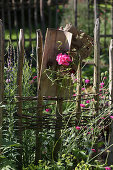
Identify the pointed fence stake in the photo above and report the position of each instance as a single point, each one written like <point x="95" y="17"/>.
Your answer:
<point x="97" y="63"/>
<point x="110" y="156"/>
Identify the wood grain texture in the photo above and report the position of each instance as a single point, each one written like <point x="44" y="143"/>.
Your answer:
<point x="97" y="62"/>
<point x="110" y="157"/>
<point x="56" y="42"/>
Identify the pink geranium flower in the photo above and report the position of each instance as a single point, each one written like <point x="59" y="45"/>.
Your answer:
<point x="87" y="81"/>
<point x="82" y="105"/>
<point x="107" y="168"/>
<point x="63" y="59"/>
<point x="78" y="128"/>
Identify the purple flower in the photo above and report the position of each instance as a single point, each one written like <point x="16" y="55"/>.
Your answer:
<point x="111" y="117"/>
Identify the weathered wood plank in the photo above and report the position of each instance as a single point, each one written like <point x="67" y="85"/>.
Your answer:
<point x="56" y="42"/>
<point x="110" y="157"/>
<point x="79" y="85"/>
<point x="1" y="76"/>
<point x="97" y="62"/>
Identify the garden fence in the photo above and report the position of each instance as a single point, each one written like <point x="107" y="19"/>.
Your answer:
<point x="40" y="121"/>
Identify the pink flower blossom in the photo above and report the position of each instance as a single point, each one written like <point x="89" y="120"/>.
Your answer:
<point x="107" y="168"/>
<point x="104" y="78"/>
<point x="100" y="90"/>
<point x="82" y="105"/>
<point x="74" y="94"/>
<point x="101" y="87"/>
<point x="89" y="133"/>
<point x="87" y="81"/>
<point x="102" y="83"/>
<point x="78" y="128"/>
<point x="91" y="128"/>
<point x="63" y="59"/>
<point x="83" y="89"/>
<point x="87" y="101"/>
<point x="102" y="117"/>
<point x="34" y="77"/>
<point x="93" y="150"/>
<point x="48" y="110"/>
<point x="111" y="117"/>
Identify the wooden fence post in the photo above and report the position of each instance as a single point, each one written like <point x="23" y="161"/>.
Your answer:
<point x="1" y="76"/>
<point x="110" y="157"/>
<point x="79" y="85"/>
<point x="19" y="93"/>
<point x="97" y="63"/>
<point x="39" y="51"/>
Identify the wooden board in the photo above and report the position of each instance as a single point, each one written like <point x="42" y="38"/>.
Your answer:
<point x="57" y="41"/>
